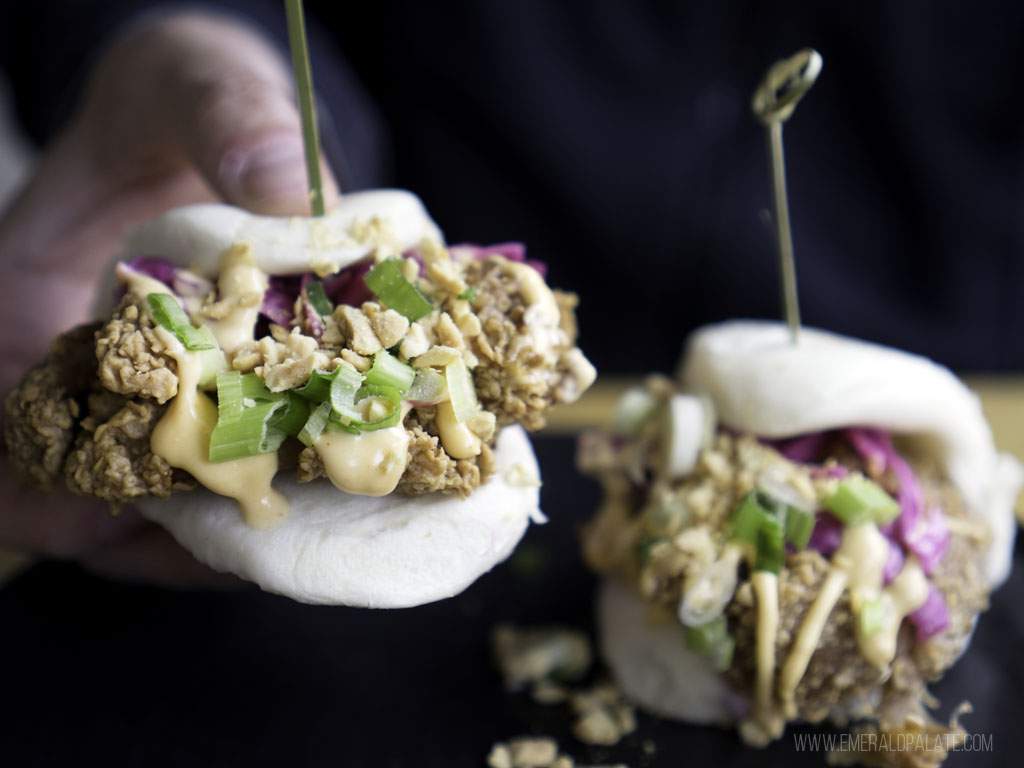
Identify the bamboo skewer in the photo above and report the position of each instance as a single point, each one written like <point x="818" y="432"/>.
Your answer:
<point x="773" y="103"/>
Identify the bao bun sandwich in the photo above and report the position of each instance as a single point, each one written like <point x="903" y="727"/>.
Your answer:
<point x="332" y="408"/>
<point x="798" y="533"/>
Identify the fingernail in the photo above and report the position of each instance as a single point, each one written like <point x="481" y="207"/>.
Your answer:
<point x="274" y="170"/>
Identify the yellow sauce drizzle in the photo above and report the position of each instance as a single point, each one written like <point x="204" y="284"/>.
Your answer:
<point x="182" y="438"/>
<point x="458" y="441"/>
<point x="857" y="565"/>
<point x="370" y="463"/>
<point x="241" y="286"/>
<point x="766" y="723"/>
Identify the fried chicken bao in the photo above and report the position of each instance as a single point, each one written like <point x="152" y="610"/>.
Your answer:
<point x="798" y="533"/>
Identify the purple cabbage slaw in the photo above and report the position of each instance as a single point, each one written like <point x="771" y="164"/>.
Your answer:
<point x="345" y="287"/>
<point x="918" y="530"/>
<point x="181" y="282"/>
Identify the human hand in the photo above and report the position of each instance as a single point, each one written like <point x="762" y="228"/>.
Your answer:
<point x="187" y="108"/>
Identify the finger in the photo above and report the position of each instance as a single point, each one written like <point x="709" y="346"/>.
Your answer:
<point x="151" y="556"/>
<point x="56" y="523"/>
<point x="237" y="120"/>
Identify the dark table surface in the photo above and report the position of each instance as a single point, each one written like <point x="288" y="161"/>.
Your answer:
<point x="99" y="673"/>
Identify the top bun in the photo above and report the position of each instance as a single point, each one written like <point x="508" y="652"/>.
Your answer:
<point x="762" y="383"/>
<point x="196" y="236"/>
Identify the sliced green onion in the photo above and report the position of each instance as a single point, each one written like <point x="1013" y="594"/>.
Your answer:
<point x="872" y="615"/>
<point x="389" y="371"/>
<point x="254" y="388"/>
<point x="342" y="395"/>
<point x="859" y="500"/>
<point x="315" y="424"/>
<point x="461" y="389"/>
<point x="390" y="286"/>
<point x="168" y="313"/>
<point x="799" y="526"/>
<point x="212" y="360"/>
<point x="318" y="299"/>
<point x="387" y="397"/>
<point x="748" y="519"/>
<point x="293" y="417"/>
<point x="428" y="388"/>
<point x="469" y="294"/>
<point x="229" y="397"/>
<point x="771" y="551"/>
<point x="318" y="388"/>
<point x="248" y="435"/>
<point x="765" y="524"/>
<point x="714" y="641"/>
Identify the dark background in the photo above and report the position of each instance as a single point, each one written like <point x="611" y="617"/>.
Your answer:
<point x="96" y="673"/>
<point x="614" y="137"/>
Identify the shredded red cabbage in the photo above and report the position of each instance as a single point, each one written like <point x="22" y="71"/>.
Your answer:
<point x="279" y="300"/>
<point x="932" y="617"/>
<point x="928" y="539"/>
<point x="827" y="534"/>
<point x="804" y="449"/>
<point x="926" y="535"/>
<point x="893" y="563"/>
<point x="156" y="267"/>
<point x="349" y="287"/>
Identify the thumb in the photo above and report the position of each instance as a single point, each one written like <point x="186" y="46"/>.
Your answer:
<point x="238" y="122"/>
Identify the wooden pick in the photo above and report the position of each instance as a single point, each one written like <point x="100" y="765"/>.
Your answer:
<point x="773" y="103"/>
<point x="307" y="102"/>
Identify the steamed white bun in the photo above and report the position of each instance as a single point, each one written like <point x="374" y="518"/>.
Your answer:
<point x="376" y="552"/>
<point x="762" y="383"/>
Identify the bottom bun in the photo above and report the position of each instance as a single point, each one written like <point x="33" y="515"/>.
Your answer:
<point x="377" y="552"/>
<point x="653" y="666"/>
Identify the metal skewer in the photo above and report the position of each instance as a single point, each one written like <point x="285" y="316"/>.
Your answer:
<point x="773" y="103"/>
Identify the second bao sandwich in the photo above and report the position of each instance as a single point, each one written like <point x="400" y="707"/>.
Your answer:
<point x="347" y="393"/>
<point x="798" y="533"/>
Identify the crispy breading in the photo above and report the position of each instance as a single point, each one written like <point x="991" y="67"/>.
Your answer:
<point x="132" y="359"/>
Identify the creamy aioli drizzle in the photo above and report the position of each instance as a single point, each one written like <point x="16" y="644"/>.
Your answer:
<point x="856" y="565"/>
<point x="370" y="463"/>
<point x="766" y="723"/>
<point x="241" y="285"/>
<point x="182" y="438"/>
<point x="138" y="284"/>
<point x="456" y="437"/>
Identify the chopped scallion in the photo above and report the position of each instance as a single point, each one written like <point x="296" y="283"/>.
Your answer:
<point x="872" y="615"/>
<point x="342" y="395"/>
<point x="799" y="526"/>
<point x="468" y="295"/>
<point x="212" y="360"/>
<point x="389" y="371"/>
<point x="859" y="500"/>
<point x="229" y="397"/>
<point x="383" y="410"/>
<point x="318" y="299"/>
<point x="764" y="524"/>
<point x="247" y="435"/>
<point x="714" y="641"/>
<point x="390" y="286"/>
<point x="315" y="424"/>
<point x="318" y="388"/>
<point x="771" y="552"/>
<point x="168" y="313"/>
<point x="293" y="417"/>
<point x="254" y="388"/>
<point x="461" y="389"/>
